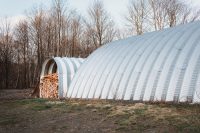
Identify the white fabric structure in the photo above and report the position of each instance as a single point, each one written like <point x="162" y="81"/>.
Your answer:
<point x="157" y="66"/>
<point x="66" y="69"/>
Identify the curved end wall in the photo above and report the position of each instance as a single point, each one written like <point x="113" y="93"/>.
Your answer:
<point x="157" y="66"/>
<point x="66" y="69"/>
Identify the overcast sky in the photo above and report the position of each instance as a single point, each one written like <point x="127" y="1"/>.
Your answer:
<point x="15" y="9"/>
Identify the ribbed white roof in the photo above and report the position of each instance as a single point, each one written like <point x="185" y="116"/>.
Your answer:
<point x="156" y="66"/>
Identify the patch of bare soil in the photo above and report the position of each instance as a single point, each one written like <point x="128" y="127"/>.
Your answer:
<point x="13" y="94"/>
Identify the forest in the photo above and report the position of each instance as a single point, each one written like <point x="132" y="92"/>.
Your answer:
<point x="62" y="31"/>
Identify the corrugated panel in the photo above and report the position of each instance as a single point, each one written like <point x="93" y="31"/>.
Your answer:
<point x="183" y="51"/>
<point x="154" y="66"/>
<point x="66" y="69"/>
<point x="157" y="66"/>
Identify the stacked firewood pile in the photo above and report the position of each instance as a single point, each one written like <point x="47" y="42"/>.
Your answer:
<point x="49" y="86"/>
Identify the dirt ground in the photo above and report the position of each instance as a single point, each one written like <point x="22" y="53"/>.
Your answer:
<point x="19" y="113"/>
<point x="15" y="94"/>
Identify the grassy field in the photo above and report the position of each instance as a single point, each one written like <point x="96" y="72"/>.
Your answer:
<point x="42" y="115"/>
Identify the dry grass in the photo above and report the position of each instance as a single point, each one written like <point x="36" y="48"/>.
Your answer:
<point x="42" y="115"/>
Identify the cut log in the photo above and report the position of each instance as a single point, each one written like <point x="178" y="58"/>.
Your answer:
<point x="49" y="86"/>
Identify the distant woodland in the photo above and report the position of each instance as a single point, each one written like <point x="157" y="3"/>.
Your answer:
<point x="62" y="31"/>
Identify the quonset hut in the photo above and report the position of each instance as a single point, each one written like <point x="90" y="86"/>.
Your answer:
<point x="157" y="66"/>
<point x="66" y="69"/>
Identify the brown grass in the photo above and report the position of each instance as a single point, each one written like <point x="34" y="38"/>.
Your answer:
<point x="43" y="115"/>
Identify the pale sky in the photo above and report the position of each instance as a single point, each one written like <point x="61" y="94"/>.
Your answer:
<point x="15" y="9"/>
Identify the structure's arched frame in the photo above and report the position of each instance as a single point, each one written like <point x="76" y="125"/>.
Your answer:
<point x="66" y="69"/>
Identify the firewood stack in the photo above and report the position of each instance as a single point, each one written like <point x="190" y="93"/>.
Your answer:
<point x="49" y="86"/>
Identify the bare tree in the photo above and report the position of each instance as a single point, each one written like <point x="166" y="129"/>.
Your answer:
<point x="188" y="15"/>
<point x="137" y="13"/>
<point x="61" y="19"/>
<point x="22" y="39"/>
<point x="5" y="51"/>
<point x="173" y="8"/>
<point x="158" y="16"/>
<point x="37" y="24"/>
<point x="150" y="15"/>
<point x="100" y="24"/>
<point x="76" y="29"/>
<point x="178" y="12"/>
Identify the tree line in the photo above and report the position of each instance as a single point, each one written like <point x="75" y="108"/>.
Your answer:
<point x="61" y="31"/>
